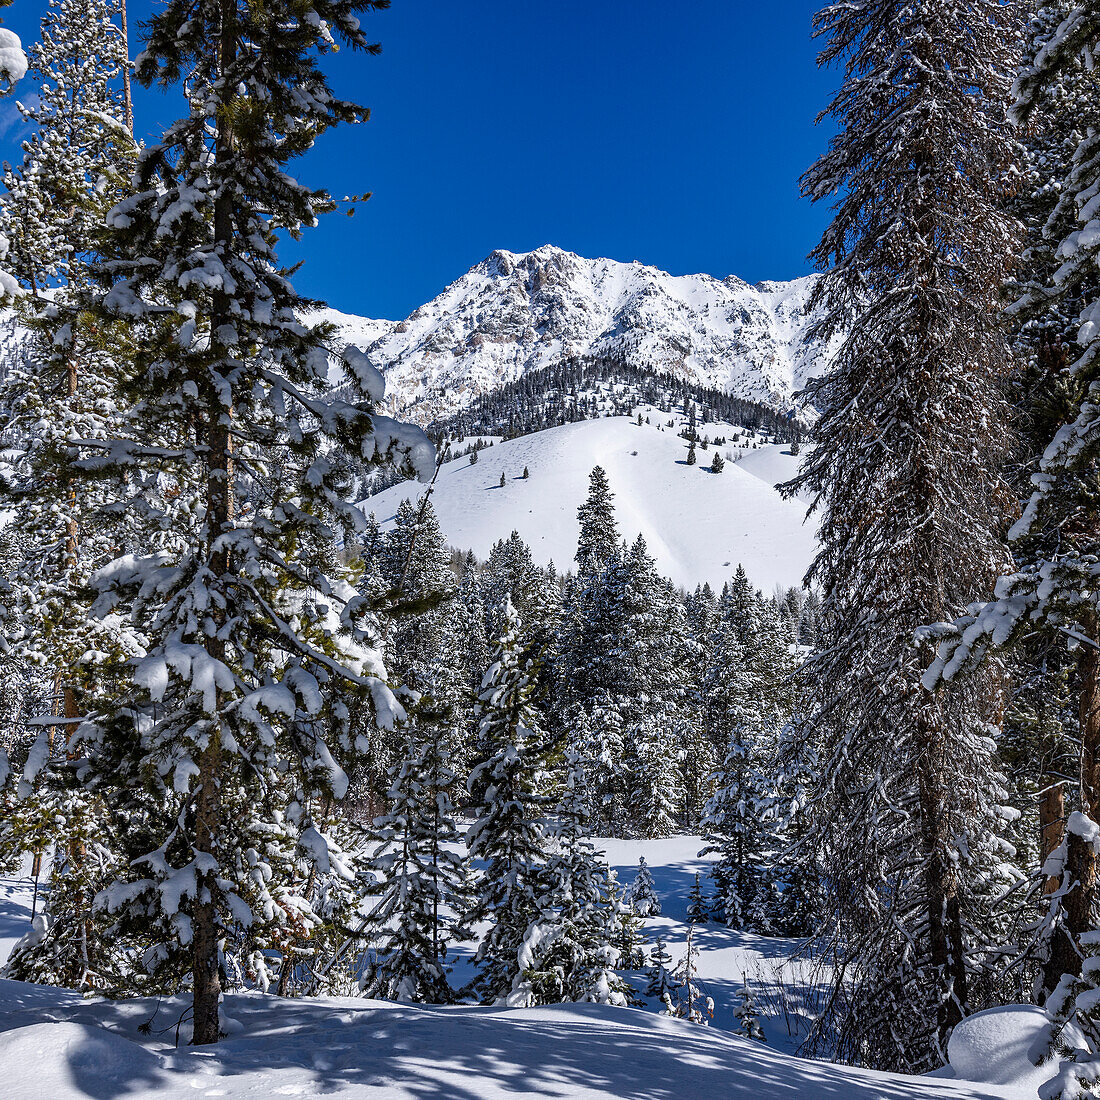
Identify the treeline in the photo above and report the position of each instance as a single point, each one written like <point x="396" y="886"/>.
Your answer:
<point x="584" y="388"/>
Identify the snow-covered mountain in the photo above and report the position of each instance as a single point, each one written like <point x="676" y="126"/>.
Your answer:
<point x="698" y="525"/>
<point x="517" y="311"/>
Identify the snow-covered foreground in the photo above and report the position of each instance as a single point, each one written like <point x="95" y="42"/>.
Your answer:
<point x="698" y="525"/>
<point x="56" y="1045"/>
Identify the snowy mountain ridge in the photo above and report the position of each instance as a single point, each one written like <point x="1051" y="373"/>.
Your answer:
<point x="515" y="312"/>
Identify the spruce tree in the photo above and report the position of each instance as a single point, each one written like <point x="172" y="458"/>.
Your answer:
<point x="1049" y="596"/>
<point x="641" y="895"/>
<point x="566" y="954"/>
<point x="508" y="836"/>
<point x="598" y="543"/>
<point x="423" y="880"/>
<point x="63" y="386"/>
<point x="748" y="1022"/>
<point x="257" y="648"/>
<point x="917" y="252"/>
<point x="659" y="983"/>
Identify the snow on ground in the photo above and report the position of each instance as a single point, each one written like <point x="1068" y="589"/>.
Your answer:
<point x="698" y="525"/>
<point x="56" y="1045"/>
<point x="16" y="899"/>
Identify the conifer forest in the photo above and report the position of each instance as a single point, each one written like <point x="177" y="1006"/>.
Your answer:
<point x="601" y="683"/>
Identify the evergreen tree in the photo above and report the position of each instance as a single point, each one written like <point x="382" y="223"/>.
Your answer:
<point x="507" y="839"/>
<point x="62" y="386"/>
<point x="257" y="648"/>
<point x="642" y="893"/>
<point x="74" y="162"/>
<point x="598" y="544"/>
<point x="917" y="253"/>
<point x="698" y="910"/>
<point x="748" y="1023"/>
<point x="660" y="983"/>
<point x="566" y="953"/>
<point x="717" y="464"/>
<point x="422" y="878"/>
<point x="688" y="1000"/>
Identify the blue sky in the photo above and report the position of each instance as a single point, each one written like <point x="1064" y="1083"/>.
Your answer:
<point x="673" y="134"/>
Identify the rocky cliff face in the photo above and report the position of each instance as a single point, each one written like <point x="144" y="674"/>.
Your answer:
<point x="514" y="312"/>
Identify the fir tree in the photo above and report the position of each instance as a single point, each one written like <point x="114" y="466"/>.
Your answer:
<point x="917" y="253"/>
<point x="598" y="544"/>
<point x="63" y="386"/>
<point x="255" y="643"/>
<point x="698" y="910"/>
<point x="642" y="894"/>
<point x="660" y="983"/>
<point x="748" y="1022"/>
<point x="688" y="1000"/>
<point x="566" y="953"/>
<point x="507" y="838"/>
<point x="423" y="879"/>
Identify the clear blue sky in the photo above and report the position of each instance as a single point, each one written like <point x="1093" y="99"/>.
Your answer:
<point x="669" y="133"/>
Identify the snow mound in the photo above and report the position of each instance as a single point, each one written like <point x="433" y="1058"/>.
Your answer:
<point x="1000" y="1046"/>
<point x="49" y="1061"/>
<point x="697" y="525"/>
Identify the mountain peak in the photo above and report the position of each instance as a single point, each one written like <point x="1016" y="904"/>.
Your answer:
<point x="517" y="311"/>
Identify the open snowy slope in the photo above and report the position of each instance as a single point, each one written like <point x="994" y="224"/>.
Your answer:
<point x="698" y="525"/>
<point x="55" y="1045"/>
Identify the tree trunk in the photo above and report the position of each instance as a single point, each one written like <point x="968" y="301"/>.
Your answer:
<point x="1081" y="863"/>
<point x="127" y="99"/>
<point x="220" y="514"/>
<point x="945" y="929"/>
<point x="1052" y="825"/>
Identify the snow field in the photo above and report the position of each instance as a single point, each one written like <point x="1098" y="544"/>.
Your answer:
<point x="698" y="525"/>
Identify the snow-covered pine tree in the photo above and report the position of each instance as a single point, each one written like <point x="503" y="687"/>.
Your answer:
<point x="654" y="790"/>
<point x="689" y="1002"/>
<point x="258" y="649"/>
<point x="748" y="1021"/>
<point x="917" y="252"/>
<point x="566" y="953"/>
<point x="641" y="895"/>
<point x="510" y="572"/>
<point x="507" y="842"/>
<point x="423" y="881"/>
<point x="1052" y="590"/>
<point x="598" y="544"/>
<point x="61" y="386"/>
<point x="75" y="159"/>
<point x="415" y="565"/>
<point x="660" y="984"/>
<point x="698" y="911"/>
<point x="744" y="706"/>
